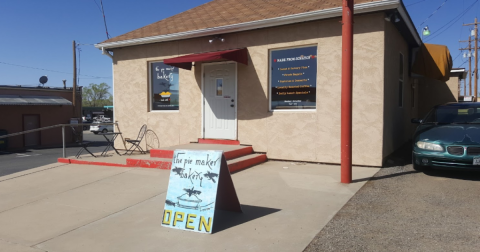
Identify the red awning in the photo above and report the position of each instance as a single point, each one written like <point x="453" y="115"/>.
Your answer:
<point x="185" y="62"/>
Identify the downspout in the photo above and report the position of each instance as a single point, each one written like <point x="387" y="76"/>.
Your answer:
<point x="104" y="52"/>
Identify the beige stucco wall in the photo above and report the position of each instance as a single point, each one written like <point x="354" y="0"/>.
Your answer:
<point x="295" y="135"/>
<point x="397" y="126"/>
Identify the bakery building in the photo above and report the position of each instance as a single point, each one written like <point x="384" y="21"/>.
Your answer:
<point x="268" y="74"/>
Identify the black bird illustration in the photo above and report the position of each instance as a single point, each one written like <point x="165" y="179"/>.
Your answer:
<point x="178" y="170"/>
<point x="192" y="192"/>
<point x="211" y="176"/>
<point x="170" y="203"/>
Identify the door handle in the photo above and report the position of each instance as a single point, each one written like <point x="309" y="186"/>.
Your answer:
<point x="232" y="105"/>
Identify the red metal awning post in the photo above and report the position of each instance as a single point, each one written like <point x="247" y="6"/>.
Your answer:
<point x="347" y="86"/>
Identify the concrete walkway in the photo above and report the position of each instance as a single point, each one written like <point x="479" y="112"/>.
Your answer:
<point x="93" y="208"/>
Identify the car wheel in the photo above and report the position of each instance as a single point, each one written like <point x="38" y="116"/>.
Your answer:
<point x="104" y="131"/>
<point x="95" y="132"/>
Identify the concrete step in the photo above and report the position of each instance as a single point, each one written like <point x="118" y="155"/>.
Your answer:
<point x="230" y="151"/>
<point x="218" y="141"/>
<point x="234" y="165"/>
<point x="245" y="162"/>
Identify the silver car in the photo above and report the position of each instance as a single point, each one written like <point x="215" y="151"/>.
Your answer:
<point x="95" y="128"/>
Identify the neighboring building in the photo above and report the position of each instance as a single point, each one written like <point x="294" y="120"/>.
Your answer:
<point x="440" y="92"/>
<point x="26" y="108"/>
<point x="268" y="74"/>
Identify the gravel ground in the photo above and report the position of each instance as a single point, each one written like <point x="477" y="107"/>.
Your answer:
<point x="401" y="209"/>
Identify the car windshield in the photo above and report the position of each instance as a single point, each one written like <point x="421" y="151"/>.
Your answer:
<point x="454" y="115"/>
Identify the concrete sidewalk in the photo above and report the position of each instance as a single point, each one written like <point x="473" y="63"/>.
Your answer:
<point x="93" y="208"/>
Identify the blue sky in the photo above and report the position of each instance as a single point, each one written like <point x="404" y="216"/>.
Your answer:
<point x="39" y="33"/>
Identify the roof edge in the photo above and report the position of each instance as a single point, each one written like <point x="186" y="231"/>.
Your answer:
<point x="283" y="20"/>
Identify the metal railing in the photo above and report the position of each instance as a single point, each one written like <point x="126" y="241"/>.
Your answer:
<point x="64" y="152"/>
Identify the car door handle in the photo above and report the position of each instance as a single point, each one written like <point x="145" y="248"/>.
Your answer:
<point x="232" y="105"/>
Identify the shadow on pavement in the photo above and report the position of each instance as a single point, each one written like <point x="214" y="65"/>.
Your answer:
<point x="225" y="219"/>
<point x="385" y="176"/>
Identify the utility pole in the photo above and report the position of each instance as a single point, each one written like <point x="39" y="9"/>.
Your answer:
<point x="74" y="80"/>
<point x="475" y="24"/>
<point x="470" y="72"/>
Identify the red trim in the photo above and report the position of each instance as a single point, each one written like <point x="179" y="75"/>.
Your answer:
<point x="148" y="163"/>
<point x="185" y="62"/>
<point x="240" y="165"/>
<point x="84" y="162"/>
<point x="161" y="153"/>
<point x="165" y="165"/>
<point x="218" y="141"/>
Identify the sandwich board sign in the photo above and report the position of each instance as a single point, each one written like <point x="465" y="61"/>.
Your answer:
<point x="199" y="183"/>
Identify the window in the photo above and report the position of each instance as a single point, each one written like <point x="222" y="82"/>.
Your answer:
<point x="400" y="82"/>
<point x="164" y="87"/>
<point x="219" y="89"/>
<point x="293" y="78"/>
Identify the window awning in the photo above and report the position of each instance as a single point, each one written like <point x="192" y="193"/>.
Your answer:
<point x="185" y="62"/>
<point x="33" y="100"/>
<point x="434" y="62"/>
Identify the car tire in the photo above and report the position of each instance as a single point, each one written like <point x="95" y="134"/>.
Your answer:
<point x="104" y="131"/>
<point x="95" y="132"/>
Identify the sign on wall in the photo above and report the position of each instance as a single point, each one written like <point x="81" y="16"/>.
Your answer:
<point x="199" y="182"/>
<point x="293" y="78"/>
<point x="165" y="86"/>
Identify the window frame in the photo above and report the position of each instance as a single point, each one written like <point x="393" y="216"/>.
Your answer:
<point x="150" y="90"/>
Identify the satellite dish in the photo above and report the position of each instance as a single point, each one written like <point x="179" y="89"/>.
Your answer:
<point x="43" y="80"/>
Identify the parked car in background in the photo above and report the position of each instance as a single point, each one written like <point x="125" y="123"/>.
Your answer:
<point x="96" y="128"/>
<point x="449" y="137"/>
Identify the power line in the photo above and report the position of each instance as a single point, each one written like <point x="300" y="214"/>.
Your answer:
<point x="457" y="56"/>
<point x="104" y="20"/>
<point x="98" y="6"/>
<point x="96" y="77"/>
<point x="433" y="13"/>
<point x="415" y="3"/>
<point x="451" y="22"/>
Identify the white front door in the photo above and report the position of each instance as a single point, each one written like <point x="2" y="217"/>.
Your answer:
<point x="220" y="113"/>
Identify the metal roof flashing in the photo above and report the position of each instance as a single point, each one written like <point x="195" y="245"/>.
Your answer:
<point x="33" y="100"/>
<point x="369" y="7"/>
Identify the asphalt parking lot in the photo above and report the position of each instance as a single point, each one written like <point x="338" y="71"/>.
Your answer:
<point x="401" y="209"/>
<point x="11" y="162"/>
